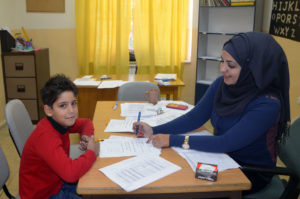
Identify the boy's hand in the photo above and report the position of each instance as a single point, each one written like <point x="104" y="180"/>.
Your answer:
<point x="94" y="146"/>
<point x="84" y="142"/>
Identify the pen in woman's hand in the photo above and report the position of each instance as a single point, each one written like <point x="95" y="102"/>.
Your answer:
<point x="137" y="127"/>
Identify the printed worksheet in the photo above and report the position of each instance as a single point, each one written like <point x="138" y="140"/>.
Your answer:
<point x="139" y="171"/>
<point x="127" y="147"/>
<point x="119" y="125"/>
<point x="193" y="157"/>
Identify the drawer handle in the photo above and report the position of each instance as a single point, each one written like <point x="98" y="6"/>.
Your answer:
<point x="19" y="66"/>
<point x="21" y="88"/>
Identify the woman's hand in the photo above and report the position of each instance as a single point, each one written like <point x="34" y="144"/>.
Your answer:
<point x="160" y="140"/>
<point x="144" y="129"/>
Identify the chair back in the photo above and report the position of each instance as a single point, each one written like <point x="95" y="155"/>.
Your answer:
<point x="4" y="174"/>
<point x="19" y="123"/>
<point x="289" y="150"/>
<point x="135" y="91"/>
<point x="4" y="171"/>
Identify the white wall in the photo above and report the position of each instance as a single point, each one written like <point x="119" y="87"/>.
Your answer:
<point x="41" y="20"/>
<point x="7" y="13"/>
<point x="13" y="14"/>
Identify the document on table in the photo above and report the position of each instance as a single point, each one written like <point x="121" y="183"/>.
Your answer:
<point x="193" y="157"/>
<point x="120" y="126"/>
<point x="139" y="171"/>
<point x="166" y="76"/>
<point x="86" y="81"/>
<point x="127" y="147"/>
<point x="111" y="84"/>
<point x="132" y="109"/>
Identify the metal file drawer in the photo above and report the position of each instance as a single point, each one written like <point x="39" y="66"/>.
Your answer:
<point x="19" y="66"/>
<point x="32" y="108"/>
<point x="24" y="88"/>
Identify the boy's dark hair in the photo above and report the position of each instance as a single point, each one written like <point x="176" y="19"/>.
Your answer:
<point x="55" y="86"/>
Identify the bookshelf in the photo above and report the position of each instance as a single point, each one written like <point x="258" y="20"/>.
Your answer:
<point x="217" y="23"/>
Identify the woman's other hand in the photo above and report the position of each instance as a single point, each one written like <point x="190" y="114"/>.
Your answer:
<point x="160" y="140"/>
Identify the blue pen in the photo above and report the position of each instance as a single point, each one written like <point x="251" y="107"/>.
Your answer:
<point x="137" y="128"/>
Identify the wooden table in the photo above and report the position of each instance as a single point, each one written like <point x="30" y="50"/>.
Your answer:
<point x="181" y="184"/>
<point x="89" y="95"/>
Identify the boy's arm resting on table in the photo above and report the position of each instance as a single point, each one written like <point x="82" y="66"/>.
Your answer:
<point x="52" y="152"/>
<point x="260" y="115"/>
<point x="193" y="119"/>
<point x="83" y="126"/>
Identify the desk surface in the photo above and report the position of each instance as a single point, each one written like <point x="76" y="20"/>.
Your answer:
<point x="137" y="77"/>
<point x="229" y="183"/>
<point x="89" y="95"/>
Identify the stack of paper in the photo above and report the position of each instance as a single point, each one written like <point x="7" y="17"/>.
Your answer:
<point x="223" y="161"/>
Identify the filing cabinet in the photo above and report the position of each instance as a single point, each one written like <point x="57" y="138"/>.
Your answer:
<point x="24" y="74"/>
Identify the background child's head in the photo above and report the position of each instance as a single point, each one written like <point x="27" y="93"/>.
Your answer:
<point x="55" y="86"/>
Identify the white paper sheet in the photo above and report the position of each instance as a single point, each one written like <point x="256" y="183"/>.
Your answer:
<point x="127" y="147"/>
<point x="165" y="76"/>
<point x="111" y="84"/>
<point x="139" y="171"/>
<point x="119" y="125"/>
<point x="132" y="110"/>
<point x="86" y="81"/>
<point x="193" y="157"/>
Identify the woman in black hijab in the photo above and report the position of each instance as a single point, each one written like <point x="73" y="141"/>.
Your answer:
<point x="264" y="71"/>
<point x="248" y="107"/>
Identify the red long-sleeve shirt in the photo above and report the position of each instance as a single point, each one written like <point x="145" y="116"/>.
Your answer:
<point x="45" y="161"/>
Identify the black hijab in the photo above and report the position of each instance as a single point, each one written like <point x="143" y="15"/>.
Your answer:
<point x="264" y="72"/>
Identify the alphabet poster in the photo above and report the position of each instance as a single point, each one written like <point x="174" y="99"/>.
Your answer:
<point x="285" y="19"/>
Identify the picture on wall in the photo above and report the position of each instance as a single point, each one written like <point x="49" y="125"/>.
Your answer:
<point x="45" y="6"/>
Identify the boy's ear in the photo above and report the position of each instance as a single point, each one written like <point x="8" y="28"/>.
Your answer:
<point x="48" y="110"/>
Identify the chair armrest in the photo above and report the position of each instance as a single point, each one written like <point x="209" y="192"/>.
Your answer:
<point x="291" y="184"/>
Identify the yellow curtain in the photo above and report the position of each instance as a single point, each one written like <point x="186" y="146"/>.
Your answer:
<point x="102" y="32"/>
<point x="159" y="35"/>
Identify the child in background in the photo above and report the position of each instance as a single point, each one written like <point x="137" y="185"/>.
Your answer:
<point x="46" y="170"/>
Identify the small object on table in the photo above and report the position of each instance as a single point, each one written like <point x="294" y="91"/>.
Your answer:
<point x="206" y="171"/>
<point x="103" y="77"/>
<point x="177" y="106"/>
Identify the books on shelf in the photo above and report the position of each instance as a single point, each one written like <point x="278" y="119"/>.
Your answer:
<point x="214" y="2"/>
<point x="242" y="2"/>
<point x="223" y="3"/>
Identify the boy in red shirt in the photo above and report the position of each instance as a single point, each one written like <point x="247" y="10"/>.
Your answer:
<point x="46" y="170"/>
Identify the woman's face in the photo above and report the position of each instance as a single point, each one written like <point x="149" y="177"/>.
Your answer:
<point x="229" y="68"/>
